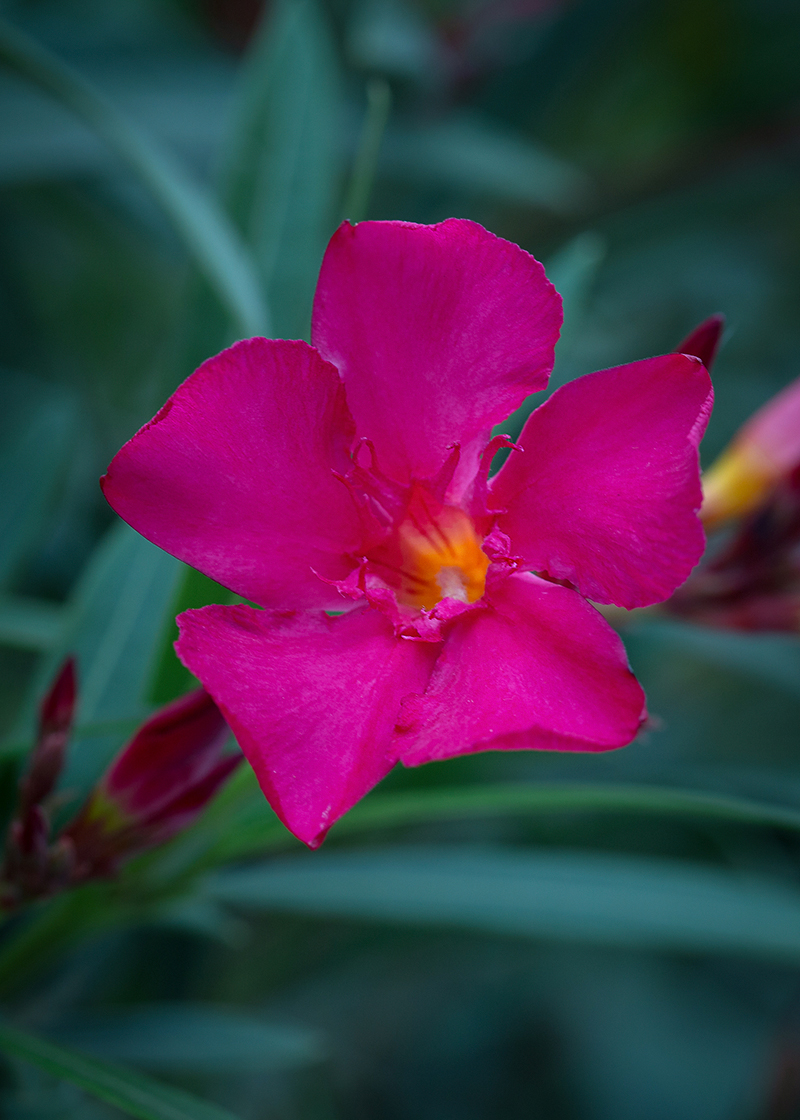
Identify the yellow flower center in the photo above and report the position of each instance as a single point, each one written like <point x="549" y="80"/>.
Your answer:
<point x="441" y="556"/>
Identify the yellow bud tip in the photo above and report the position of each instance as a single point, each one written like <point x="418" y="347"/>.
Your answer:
<point x="736" y="483"/>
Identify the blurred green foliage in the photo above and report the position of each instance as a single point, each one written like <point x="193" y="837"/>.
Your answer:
<point x="607" y="937"/>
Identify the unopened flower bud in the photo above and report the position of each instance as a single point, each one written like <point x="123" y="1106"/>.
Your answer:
<point x="763" y="452"/>
<point x="55" y="723"/>
<point x="30" y="867"/>
<point x="155" y="787"/>
<point x="703" y="342"/>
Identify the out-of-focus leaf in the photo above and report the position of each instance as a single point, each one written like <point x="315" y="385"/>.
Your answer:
<point x="391" y="37"/>
<point x="204" y="229"/>
<point x="473" y="154"/>
<point x="194" y="590"/>
<point x="31" y="467"/>
<point x="387" y="809"/>
<point x="30" y="623"/>
<point x="115" y="621"/>
<point x="773" y="659"/>
<point x="118" y="612"/>
<point x="133" y="1093"/>
<point x="191" y="1037"/>
<point x="575" y="896"/>
<point x="283" y="168"/>
<point x="179" y="95"/>
<point x="379" y="102"/>
<point x="240" y="822"/>
<point x="51" y="927"/>
<point x="572" y="272"/>
<point x="203" y="918"/>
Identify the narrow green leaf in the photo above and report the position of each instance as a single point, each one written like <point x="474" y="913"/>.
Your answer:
<point x="385" y="810"/>
<point x="562" y="895"/>
<point x="197" y="1038"/>
<point x="117" y="614"/>
<point x="240" y="823"/>
<point x="283" y="168"/>
<point x="31" y="467"/>
<point x="379" y="102"/>
<point x="572" y="272"/>
<point x="30" y="623"/>
<point x="206" y="232"/>
<point x="131" y="1092"/>
<point x="171" y="678"/>
<point x="52" y="927"/>
<point x="773" y="659"/>
<point x="114" y="623"/>
<point x="475" y="154"/>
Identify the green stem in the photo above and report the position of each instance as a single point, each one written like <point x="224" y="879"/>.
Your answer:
<point x="205" y="231"/>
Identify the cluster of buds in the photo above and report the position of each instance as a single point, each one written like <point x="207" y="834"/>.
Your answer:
<point x="751" y="580"/>
<point x="153" y="789"/>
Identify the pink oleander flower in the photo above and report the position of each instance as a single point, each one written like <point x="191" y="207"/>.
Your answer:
<point x="351" y="476"/>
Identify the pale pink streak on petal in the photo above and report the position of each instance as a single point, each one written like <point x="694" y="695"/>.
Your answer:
<point x="438" y="331"/>
<point x="606" y="490"/>
<point x="235" y="474"/>
<point x="312" y="700"/>
<point x="540" y="668"/>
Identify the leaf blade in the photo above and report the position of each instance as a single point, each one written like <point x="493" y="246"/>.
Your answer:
<point x="203" y="227"/>
<point x="547" y="895"/>
<point x="133" y="1093"/>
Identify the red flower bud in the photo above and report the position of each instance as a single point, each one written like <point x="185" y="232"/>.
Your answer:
<point x="754" y="582"/>
<point x="32" y="868"/>
<point x="703" y="342"/>
<point x="155" y="787"/>
<point x="55" y="724"/>
<point x="765" y="450"/>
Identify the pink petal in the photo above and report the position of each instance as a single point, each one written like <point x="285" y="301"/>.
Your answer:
<point x="438" y="331"/>
<point x="606" y="490"/>
<point x="312" y="700"/>
<point x="234" y="474"/>
<point x="538" y="669"/>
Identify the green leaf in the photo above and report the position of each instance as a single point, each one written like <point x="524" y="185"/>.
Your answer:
<point x="386" y="810"/>
<point x="572" y="272"/>
<point x="772" y="659"/>
<point x="171" y="678"/>
<point x="283" y="168"/>
<point x="133" y="1093"/>
<point x="193" y="1038"/>
<point x="31" y="468"/>
<point x="475" y="154"/>
<point x="27" y="623"/>
<point x="379" y="103"/>
<point x="117" y="614"/>
<point x="51" y="927"/>
<point x="205" y="231"/>
<point x="561" y="895"/>
<point x="115" y="621"/>
<point x="240" y="823"/>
